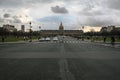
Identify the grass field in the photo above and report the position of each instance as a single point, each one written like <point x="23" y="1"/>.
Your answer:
<point x="14" y="39"/>
<point x="100" y="38"/>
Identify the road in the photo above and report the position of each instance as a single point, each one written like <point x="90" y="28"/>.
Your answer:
<point x="70" y="59"/>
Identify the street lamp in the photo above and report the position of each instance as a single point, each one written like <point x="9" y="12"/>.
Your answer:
<point x="39" y="32"/>
<point x="39" y="28"/>
<point x="30" y="32"/>
<point x="83" y="33"/>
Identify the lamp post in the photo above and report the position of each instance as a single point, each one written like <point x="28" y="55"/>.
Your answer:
<point x="83" y="33"/>
<point x="39" y="32"/>
<point x="30" y="32"/>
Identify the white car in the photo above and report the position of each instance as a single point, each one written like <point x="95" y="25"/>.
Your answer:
<point x="47" y="39"/>
<point x="55" y="39"/>
<point x="42" y="39"/>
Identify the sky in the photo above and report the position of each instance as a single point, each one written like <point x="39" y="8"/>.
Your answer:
<point x="48" y="14"/>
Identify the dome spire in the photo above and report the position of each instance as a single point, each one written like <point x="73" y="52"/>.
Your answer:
<point x="61" y="26"/>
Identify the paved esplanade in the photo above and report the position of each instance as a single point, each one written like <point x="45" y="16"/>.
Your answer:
<point x="71" y="60"/>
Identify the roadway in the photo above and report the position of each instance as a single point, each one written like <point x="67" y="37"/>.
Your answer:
<point x="70" y="59"/>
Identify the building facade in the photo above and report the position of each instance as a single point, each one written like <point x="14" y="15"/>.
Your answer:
<point x="110" y="28"/>
<point x="61" y="32"/>
<point x="23" y="28"/>
<point x="10" y="28"/>
<point x="103" y="29"/>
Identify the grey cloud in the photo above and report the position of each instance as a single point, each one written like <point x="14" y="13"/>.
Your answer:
<point x="7" y="20"/>
<point x="88" y="5"/>
<point x="10" y="20"/>
<point x="98" y="22"/>
<point x="114" y="4"/>
<point x="92" y="7"/>
<point x="16" y="19"/>
<point x="40" y="1"/>
<point x="102" y="13"/>
<point x="6" y="15"/>
<point x="89" y="8"/>
<point x="1" y="20"/>
<point x="21" y="3"/>
<point x="92" y="13"/>
<point x="58" y="9"/>
<point x="11" y="3"/>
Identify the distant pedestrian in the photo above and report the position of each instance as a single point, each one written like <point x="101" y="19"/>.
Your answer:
<point x="113" y="40"/>
<point x="82" y="38"/>
<point x="104" y="39"/>
<point x="24" y="38"/>
<point x="3" y="39"/>
<point x="38" y="38"/>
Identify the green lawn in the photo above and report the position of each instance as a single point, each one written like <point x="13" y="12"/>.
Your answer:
<point x="14" y="39"/>
<point x="100" y="38"/>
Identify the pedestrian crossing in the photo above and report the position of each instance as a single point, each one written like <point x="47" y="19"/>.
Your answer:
<point x="63" y="42"/>
<point x="72" y="41"/>
<point x="77" y="42"/>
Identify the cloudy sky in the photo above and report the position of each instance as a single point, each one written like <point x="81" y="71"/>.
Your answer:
<point x="49" y="13"/>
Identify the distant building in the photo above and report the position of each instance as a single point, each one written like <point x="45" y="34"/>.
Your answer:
<point x="61" y="27"/>
<point x="23" y="28"/>
<point x="61" y="31"/>
<point x="110" y="28"/>
<point x="10" y="28"/>
<point x="117" y="28"/>
<point x="103" y="29"/>
<point x="28" y="30"/>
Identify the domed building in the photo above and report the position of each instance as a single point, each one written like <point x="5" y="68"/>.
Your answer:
<point x="61" y="27"/>
<point x="61" y="31"/>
